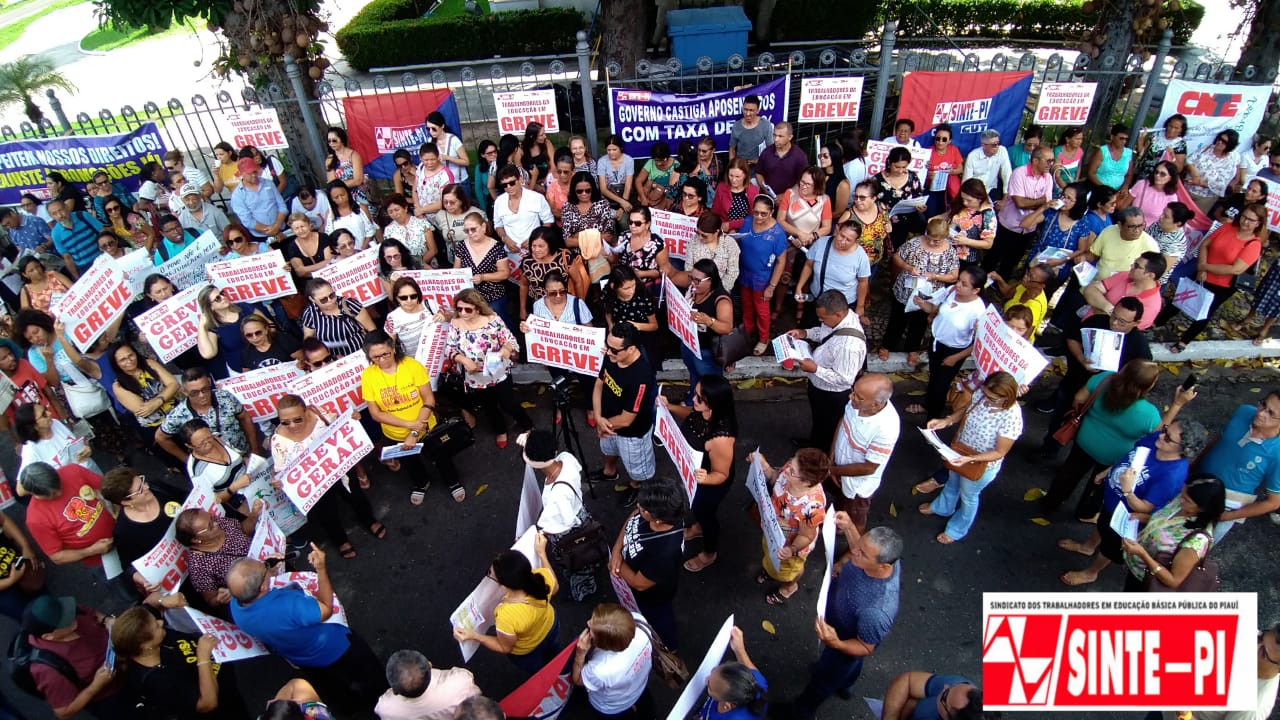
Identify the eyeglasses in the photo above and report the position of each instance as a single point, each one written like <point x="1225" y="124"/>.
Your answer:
<point x="200" y="391"/>
<point x="510" y="183"/>
<point x="381" y="356"/>
<point x="465" y="309"/>
<point x="391" y="256"/>
<point x="943" y="708"/>
<point x="864" y="197"/>
<point x="213" y="525"/>
<point x="142" y="488"/>
<point x="991" y="144"/>
<point x="1249" y="218"/>
<point x="295" y="421"/>
<point x="321" y="362"/>
<point x="470" y="230"/>
<point x="327" y="298"/>
<point x="412" y="296"/>
<point x="825" y="155"/>
<point x="106" y="246"/>
<point x="1130" y="226"/>
<point x="689" y="195"/>
<point x="698" y="280"/>
<point x="636" y="223"/>
<point x="254" y="334"/>
<point x="762" y="213"/>
<point x="582" y="190"/>
<point x="1121" y="321"/>
<point x="557" y="293"/>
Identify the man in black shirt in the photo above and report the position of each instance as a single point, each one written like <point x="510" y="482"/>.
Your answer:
<point x="1124" y="318"/>
<point x="623" y="403"/>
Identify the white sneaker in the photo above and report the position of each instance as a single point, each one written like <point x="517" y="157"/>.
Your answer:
<point x="1274" y="517"/>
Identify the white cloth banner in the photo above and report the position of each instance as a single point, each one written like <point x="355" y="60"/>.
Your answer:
<point x="268" y="540"/>
<point x="279" y="507"/>
<point x="530" y="502"/>
<point x="626" y="597"/>
<point x="334" y="388"/>
<point x="1211" y="108"/>
<point x="136" y="266"/>
<point x="431" y="347"/>
<point x="878" y="155"/>
<point x="259" y="128"/>
<point x="829" y="546"/>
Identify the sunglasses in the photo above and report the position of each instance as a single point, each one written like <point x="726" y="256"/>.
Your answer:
<point x="613" y="350"/>
<point x="583" y="190"/>
<point x="327" y="298"/>
<point x="321" y="362"/>
<point x="236" y="239"/>
<point x="402" y="164"/>
<point x="697" y="280"/>
<point x="217" y="298"/>
<point x="510" y="183"/>
<point x="295" y="421"/>
<point x="556" y="293"/>
<point x="413" y="296"/>
<point x="465" y="310"/>
<point x="470" y="230"/>
<point x="636" y="223"/>
<point x="255" y="334"/>
<point x="112" y="208"/>
<point x="941" y="139"/>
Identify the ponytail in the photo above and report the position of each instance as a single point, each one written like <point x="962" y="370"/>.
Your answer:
<point x="513" y="570"/>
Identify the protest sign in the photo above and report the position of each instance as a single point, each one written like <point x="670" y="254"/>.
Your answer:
<point x="165" y="564"/>
<point x="758" y="486"/>
<point x="1273" y="203"/>
<point x="170" y="327"/>
<point x="476" y="611"/>
<point x="998" y="347"/>
<point x="268" y="540"/>
<point x="259" y="127"/>
<point x="686" y="459"/>
<point x="25" y="164"/>
<point x="697" y="684"/>
<point x="545" y="695"/>
<point x="626" y="598"/>
<point x="564" y="345"/>
<point x="260" y="389"/>
<point x="334" y="388"/>
<point x="202" y="497"/>
<point x="325" y="460"/>
<point x="1192" y="298"/>
<point x="1212" y="107"/>
<point x="136" y="266"/>
<point x="187" y="268"/>
<point x="680" y="316"/>
<point x="676" y="231"/>
<point x="7" y="497"/>
<point x="253" y="277"/>
<point x="829" y="546"/>
<point x="515" y="110"/>
<point x="830" y="99"/>
<point x="356" y="277"/>
<point x="643" y="117"/>
<point x="530" y="502"/>
<point x="439" y="286"/>
<point x="878" y="155"/>
<point x="233" y="643"/>
<point x="1065" y="103"/>
<point x="92" y="303"/>
<point x="431" y="347"/>
<point x="309" y="583"/>
<point x="280" y="508"/>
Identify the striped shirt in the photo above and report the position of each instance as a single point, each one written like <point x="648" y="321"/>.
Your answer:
<point x="865" y="439"/>
<point x="341" y="333"/>
<point x="80" y="241"/>
<point x="839" y="360"/>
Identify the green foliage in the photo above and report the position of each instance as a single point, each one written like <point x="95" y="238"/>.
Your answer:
<point x="1018" y="19"/>
<point x="795" y="20"/>
<point x="162" y="13"/>
<point x="27" y="76"/>
<point x="393" y="32"/>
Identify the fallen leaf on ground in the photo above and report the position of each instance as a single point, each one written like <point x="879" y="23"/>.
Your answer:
<point x="1040" y="521"/>
<point x="1255" y="390"/>
<point x="1033" y="494"/>
<point x="480" y="490"/>
<point x="893" y="509"/>
<point x="528" y="405"/>
<point x="769" y="628"/>
<point x="915" y="393"/>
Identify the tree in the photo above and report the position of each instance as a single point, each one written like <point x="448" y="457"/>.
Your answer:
<point x="622" y="30"/>
<point x="26" y="76"/>
<point x="1262" y="43"/>
<point x="256" y="37"/>
<point x="1125" y="27"/>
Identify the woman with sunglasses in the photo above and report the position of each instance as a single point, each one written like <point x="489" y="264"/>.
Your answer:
<point x="486" y="258"/>
<point x="946" y="165"/>
<point x="405" y="177"/>
<point x="344" y="165"/>
<point x="346" y="214"/>
<point x="452" y="152"/>
<point x="1153" y="193"/>
<point x="559" y="304"/>
<point x="218" y="334"/>
<point x="454" y="208"/>
<point x="412" y="232"/>
<point x="692" y="201"/>
<point x="308" y="251"/>
<point x="238" y="243"/>
<point x="264" y="346"/>
<point x="586" y="209"/>
<point x="111" y="246"/>
<point x="143" y="387"/>
<point x="339" y="321"/>
<point x="874" y="220"/>
<point x="40" y="287"/>
<point x="393" y="257"/>
<point x="558" y="184"/>
<point x="126" y="224"/>
<point x="546" y="255"/>
<point x="481" y="348"/>
<point x="643" y="250"/>
<point x="411" y="315"/>
<point x="299" y="426"/>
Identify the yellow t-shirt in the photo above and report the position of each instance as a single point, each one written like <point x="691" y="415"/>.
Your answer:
<point x="1115" y="254"/>
<point x="396" y="393"/>
<point x="1038" y="307"/>
<point x="529" y="620"/>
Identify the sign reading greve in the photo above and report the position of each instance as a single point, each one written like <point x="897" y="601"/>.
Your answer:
<point x="170" y="327"/>
<point x="93" y="302"/>
<point x="325" y="460"/>
<point x="253" y="277"/>
<point x="1211" y="108"/>
<point x="260" y="389"/>
<point x="165" y="565"/>
<point x="878" y="155"/>
<point x="680" y="316"/>
<point x="187" y="268"/>
<point x="998" y="347"/>
<point x="439" y="286"/>
<point x="830" y="99"/>
<point x="356" y="277"/>
<point x="565" y="345"/>
<point x="1119" y="651"/>
<point x="683" y="456"/>
<point x="259" y="128"/>
<point x="676" y="231"/>
<point x="516" y="110"/>
<point x="24" y="163"/>
<point x="758" y="486"/>
<point x="334" y="388"/>
<point x="1065" y="103"/>
<point x="642" y="117"/>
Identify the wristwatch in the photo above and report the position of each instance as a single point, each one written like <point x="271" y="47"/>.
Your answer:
<point x="414" y="433"/>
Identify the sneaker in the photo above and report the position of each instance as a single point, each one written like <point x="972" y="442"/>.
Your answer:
<point x="628" y="497"/>
<point x="1274" y="518"/>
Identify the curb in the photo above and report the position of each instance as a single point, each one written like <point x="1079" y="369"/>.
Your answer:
<point x="767" y="367"/>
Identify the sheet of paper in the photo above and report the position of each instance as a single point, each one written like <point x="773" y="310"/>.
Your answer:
<point x="909" y="205"/>
<point x="1124" y="523"/>
<point x="943" y="449"/>
<point x="111" y="564"/>
<point x="877" y="706"/>
<point x="1085" y="272"/>
<point x="1051" y="253"/>
<point x="394" y="451"/>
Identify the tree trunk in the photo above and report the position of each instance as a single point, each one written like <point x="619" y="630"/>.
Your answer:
<point x="1262" y="45"/>
<point x="293" y="123"/>
<point x="32" y="111"/>
<point x="622" y="26"/>
<point x="1119" y="44"/>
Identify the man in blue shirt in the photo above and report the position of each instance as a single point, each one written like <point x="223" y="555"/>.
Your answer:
<point x="27" y="232"/>
<point x="931" y="696"/>
<point x="292" y="624"/>
<point x="75" y="237"/>
<point x="104" y="187"/>
<point x="256" y="204"/>
<point x="174" y="239"/>
<point x="1246" y="456"/>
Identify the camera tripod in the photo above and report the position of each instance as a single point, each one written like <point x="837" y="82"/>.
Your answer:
<point x="567" y="430"/>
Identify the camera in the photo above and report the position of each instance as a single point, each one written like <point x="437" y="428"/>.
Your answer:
<point x="562" y="386"/>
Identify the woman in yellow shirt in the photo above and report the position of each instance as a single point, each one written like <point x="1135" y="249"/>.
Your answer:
<point x="525" y="621"/>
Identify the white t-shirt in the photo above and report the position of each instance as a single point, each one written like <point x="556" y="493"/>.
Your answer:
<point x="616" y="680"/>
<point x="408" y="328"/>
<point x="865" y="439"/>
<point x="357" y="223"/>
<point x="956" y="322"/>
<point x="196" y="176"/>
<point x="893" y="140"/>
<point x="319" y="216"/>
<point x="562" y="502"/>
<point x="450" y="149"/>
<point x="532" y="211"/>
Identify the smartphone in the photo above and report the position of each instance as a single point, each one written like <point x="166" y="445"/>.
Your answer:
<point x="1190" y="382"/>
<point x="19" y="562"/>
<point x="274" y="561"/>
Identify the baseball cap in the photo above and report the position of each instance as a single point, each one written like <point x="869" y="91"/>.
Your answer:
<point x="246" y="165"/>
<point x="188" y="189"/>
<point x="149" y="191"/>
<point x="48" y="613"/>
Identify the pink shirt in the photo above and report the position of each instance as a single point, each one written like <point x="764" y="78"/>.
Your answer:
<point x="1118" y="286"/>
<point x="1023" y="184"/>
<point x="448" y="688"/>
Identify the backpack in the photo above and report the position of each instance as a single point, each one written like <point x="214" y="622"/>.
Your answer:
<point x="22" y="655"/>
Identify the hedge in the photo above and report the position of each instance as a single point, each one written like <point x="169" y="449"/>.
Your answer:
<point x="393" y="32"/>
<point x="799" y="20"/>
<point x="1017" y="19"/>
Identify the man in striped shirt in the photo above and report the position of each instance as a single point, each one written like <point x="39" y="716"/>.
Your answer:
<point x="839" y="352"/>
<point x="862" y="446"/>
<point x="75" y="237"/>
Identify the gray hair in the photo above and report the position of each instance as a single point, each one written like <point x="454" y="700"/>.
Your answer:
<point x="832" y="301"/>
<point x="888" y="542"/>
<point x="479" y="707"/>
<point x="41" y="480"/>
<point x="253" y="573"/>
<point x="408" y="673"/>
<point x="1194" y="437"/>
<point x="1127" y="213"/>
<point x="990" y="134"/>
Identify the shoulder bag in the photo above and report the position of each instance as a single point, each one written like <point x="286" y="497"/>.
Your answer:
<point x="972" y="470"/>
<point x="448" y="438"/>
<point x="1202" y="578"/>
<point x="668" y="666"/>
<point x="585" y="545"/>
<point x="1071" y="421"/>
<point x="728" y="349"/>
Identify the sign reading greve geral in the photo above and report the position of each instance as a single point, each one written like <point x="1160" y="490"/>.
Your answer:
<point x="334" y="388"/>
<point x="676" y="231"/>
<point x="170" y="327"/>
<point x="998" y="347"/>
<point x="96" y="300"/>
<point x="23" y="163"/>
<point x="253" y="277"/>
<point x="642" y="117"/>
<point x="187" y="268"/>
<point x="830" y="99"/>
<point x="683" y="456"/>
<point x="1211" y="108"/>
<point x="356" y="277"/>
<point x="516" y="110"/>
<point x="439" y="286"/>
<point x="1065" y="103"/>
<point x="680" y="316"/>
<point x="1119" y="651"/>
<point x="326" y="459"/>
<point x="565" y="345"/>
<point x="260" y="389"/>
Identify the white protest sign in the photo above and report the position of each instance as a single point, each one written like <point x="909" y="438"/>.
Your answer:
<point x="530" y="502"/>
<point x="1102" y="348"/>
<point x="253" y="277"/>
<point x="686" y="459"/>
<point x="431" y="347"/>
<point x="356" y="277"/>
<point x="1211" y="107"/>
<point x="92" y="303"/>
<point x="998" y="347"/>
<point x="680" y="316"/>
<point x="476" y="612"/>
<point x="758" y="486"/>
<point x="280" y="508"/>
<point x="1065" y="103"/>
<point x="202" y="497"/>
<point x="170" y="327"/>
<point x="268" y="540"/>
<point x="136" y="266"/>
<point x="309" y="583"/>
<point x="259" y="128"/>
<point x="626" y="597"/>
<point x="439" y="286"/>
<point x="878" y="155"/>
<point x="830" y="99"/>
<point x="326" y="459"/>
<point x="697" y="685"/>
<point x="7" y="497"/>
<point x="515" y="110"/>
<point x="334" y="388"/>
<point x="187" y="268"/>
<point x="259" y="390"/>
<point x="676" y="231"/>
<point x="165" y="564"/>
<point x="1273" y="203"/>
<point x="233" y="643"/>
<point x="1192" y="298"/>
<point x="829" y="546"/>
<point x="564" y="345"/>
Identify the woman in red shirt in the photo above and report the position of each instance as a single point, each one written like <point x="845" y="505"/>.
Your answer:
<point x="1224" y="255"/>
<point x="946" y="165"/>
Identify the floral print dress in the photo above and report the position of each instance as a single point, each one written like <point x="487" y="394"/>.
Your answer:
<point x="478" y="345"/>
<point x="976" y="225"/>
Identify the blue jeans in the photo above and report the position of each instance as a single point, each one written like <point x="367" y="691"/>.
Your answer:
<point x="536" y="659"/>
<point x="698" y="365"/>
<point x="833" y="672"/>
<point x="959" y="501"/>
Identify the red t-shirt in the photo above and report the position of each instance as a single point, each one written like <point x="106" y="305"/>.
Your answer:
<point x="30" y="384"/>
<point x="1118" y="286"/>
<point x="86" y="654"/>
<point x="74" y="520"/>
<point x="1225" y="247"/>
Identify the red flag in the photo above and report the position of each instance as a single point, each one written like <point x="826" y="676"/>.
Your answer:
<point x="543" y="696"/>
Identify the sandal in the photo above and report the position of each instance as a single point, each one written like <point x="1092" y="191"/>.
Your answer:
<point x="417" y="496"/>
<point x="762" y="577"/>
<point x="1074" y="546"/>
<point x="378" y="530"/>
<point x="925" y="487"/>
<point x="913" y="359"/>
<point x="591" y="419"/>
<point x="346" y="551"/>
<point x="459" y="493"/>
<point x="759" y="349"/>
<point x="914" y="408"/>
<point x="925" y="509"/>
<point x="1177" y="347"/>
<point x="697" y="564"/>
<point x="1072" y="578"/>
<point x="362" y="477"/>
<point x="777" y="598"/>
<point x="393" y="464"/>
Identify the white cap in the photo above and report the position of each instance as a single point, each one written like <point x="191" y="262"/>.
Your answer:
<point x="149" y="191"/>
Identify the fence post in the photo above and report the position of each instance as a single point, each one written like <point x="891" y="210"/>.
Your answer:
<point x="294" y="73"/>
<point x="58" y="112"/>
<point x="887" y="41"/>
<point x="583" y="52"/>
<point x="1153" y="79"/>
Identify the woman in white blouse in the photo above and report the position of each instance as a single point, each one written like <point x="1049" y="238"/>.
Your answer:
<point x="955" y="324"/>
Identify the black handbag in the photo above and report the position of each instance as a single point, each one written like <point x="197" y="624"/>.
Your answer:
<point x="448" y="438"/>
<point x="729" y="349"/>
<point x="584" y="546"/>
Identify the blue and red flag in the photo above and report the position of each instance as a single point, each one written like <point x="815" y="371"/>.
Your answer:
<point x="971" y="101"/>
<point x="381" y="123"/>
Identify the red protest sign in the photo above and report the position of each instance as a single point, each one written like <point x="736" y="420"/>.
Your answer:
<point x="259" y="389"/>
<point x="253" y="277"/>
<point x="356" y="277"/>
<point x="334" y="388"/>
<point x="439" y="286"/>
<point x="170" y="327"/>
<point x="680" y="316"/>
<point x="327" y="458"/>
<point x="565" y="345"/>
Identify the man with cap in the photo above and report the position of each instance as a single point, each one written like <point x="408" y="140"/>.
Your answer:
<point x="67" y="516"/>
<point x="199" y="214"/>
<point x="78" y="635"/>
<point x="258" y="205"/>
